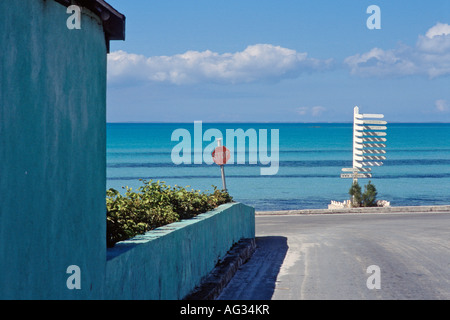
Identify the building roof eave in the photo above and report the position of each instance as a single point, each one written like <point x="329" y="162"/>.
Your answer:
<point x="113" y="20"/>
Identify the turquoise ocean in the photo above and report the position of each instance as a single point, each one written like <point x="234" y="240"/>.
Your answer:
<point x="311" y="155"/>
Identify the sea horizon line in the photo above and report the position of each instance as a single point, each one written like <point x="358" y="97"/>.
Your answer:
<point x="259" y="122"/>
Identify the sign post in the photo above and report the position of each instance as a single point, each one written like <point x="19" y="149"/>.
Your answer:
<point x="221" y="155"/>
<point x="368" y="145"/>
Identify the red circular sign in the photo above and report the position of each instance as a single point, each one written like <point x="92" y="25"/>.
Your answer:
<point x="221" y="155"/>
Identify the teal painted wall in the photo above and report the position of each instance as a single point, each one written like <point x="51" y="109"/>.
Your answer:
<point x="52" y="151"/>
<point x="167" y="263"/>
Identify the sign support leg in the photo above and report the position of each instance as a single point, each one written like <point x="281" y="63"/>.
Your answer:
<point x="222" y="169"/>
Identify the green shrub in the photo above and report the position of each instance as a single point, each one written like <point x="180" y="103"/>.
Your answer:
<point x="355" y="192"/>
<point x="369" y="197"/>
<point x="154" y="205"/>
<point x="366" y="199"/>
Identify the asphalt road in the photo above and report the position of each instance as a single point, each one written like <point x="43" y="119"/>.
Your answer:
<point x="327" y="256"/>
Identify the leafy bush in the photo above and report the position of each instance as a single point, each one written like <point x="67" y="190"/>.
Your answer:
<point x="154" y="205"/>
<point x="355" y="192"/>
<point x="367" y="199"/>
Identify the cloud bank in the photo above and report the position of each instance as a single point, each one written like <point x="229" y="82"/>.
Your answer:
<point x="429" y="57"/>
<point x="260" y="62"/>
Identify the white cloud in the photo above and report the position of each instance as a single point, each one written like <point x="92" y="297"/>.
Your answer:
<point x="313" y="111"/>
<point x="317" y="111"/>
<point x="303" y="111"/>
<point x="429" y="57"/>
<point x="441" y="105"/>
<point x="378" y="62"/>
<point x="440" y="29"/>
<point x="261" y="62"/>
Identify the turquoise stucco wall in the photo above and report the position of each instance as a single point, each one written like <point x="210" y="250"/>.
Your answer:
<point x="52" y="151"/>
<point x="167" y="263"/>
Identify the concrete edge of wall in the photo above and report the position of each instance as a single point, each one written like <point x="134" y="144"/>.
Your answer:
<point x="169" y="262"/>
<point x="403" y="209"/>
<point x="212" y="286"/>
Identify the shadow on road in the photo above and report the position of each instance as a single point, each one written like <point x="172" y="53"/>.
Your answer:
<point x="256" y="279"/>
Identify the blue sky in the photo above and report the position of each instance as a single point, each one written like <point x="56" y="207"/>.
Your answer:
<point x="279" y="61"/>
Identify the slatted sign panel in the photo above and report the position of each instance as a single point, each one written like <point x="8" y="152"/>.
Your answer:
<point x="369" y="137"/>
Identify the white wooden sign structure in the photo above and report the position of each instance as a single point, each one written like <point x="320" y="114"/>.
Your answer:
<point x="368" y="144"/>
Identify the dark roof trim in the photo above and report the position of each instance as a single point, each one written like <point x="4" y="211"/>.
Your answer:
<point x="113" y="20"/>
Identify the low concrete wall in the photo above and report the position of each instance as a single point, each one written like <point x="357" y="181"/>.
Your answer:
<point x="361" y="210"/>
<point x="169" y="262"/>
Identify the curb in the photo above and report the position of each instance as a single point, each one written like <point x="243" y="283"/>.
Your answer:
<point x="213" y="284"/>
<point x="405" y="209"/>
